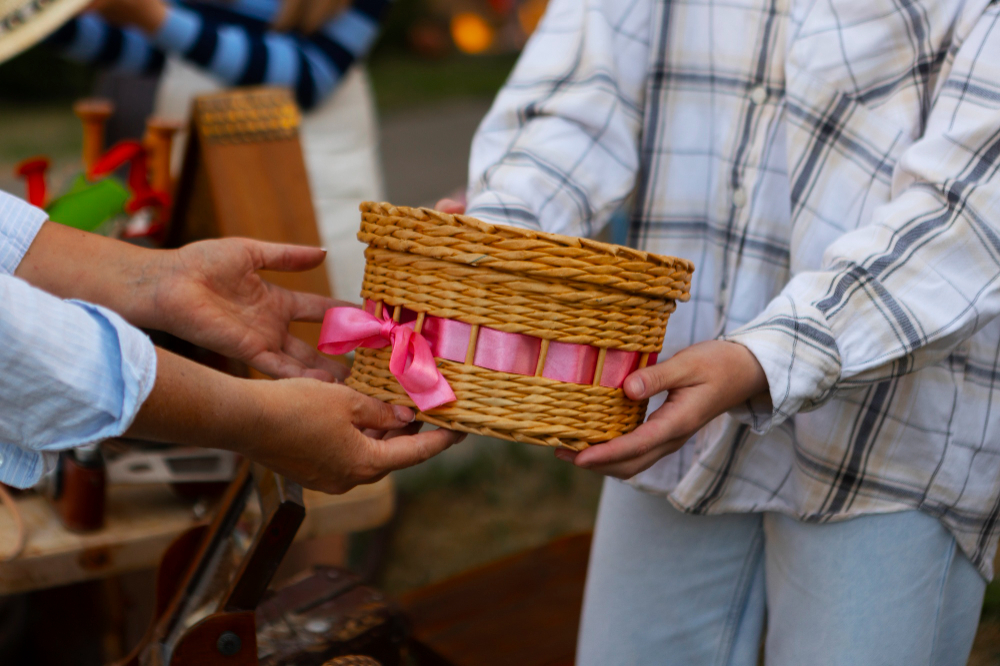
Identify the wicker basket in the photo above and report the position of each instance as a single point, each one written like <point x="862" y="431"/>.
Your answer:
<point x="558" y="290"/>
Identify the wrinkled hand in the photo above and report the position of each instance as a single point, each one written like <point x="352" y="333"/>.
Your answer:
<point x="148" y="15"/>
<point x="211" y="295"/>
<point x="702" y="381"/>
<point x="312" y="433"/>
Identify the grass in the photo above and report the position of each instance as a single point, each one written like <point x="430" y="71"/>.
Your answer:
<point x="403" y="81"/>
<point x="48" y="128"/>
<point x="485" y="500"/>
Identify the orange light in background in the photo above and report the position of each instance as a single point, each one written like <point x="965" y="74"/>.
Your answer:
<point x="471" y="33"/>
<point x="530" y="13"/>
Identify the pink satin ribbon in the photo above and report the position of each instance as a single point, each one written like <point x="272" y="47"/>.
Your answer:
<point x="412" y="361"/>
<point x="517" y="353"/>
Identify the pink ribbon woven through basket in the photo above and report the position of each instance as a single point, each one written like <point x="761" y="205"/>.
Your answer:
<point x="413" y="354"/>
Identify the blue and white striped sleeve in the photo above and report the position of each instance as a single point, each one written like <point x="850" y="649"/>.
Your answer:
<point x="71" y="373"/>
<point x="92" y="40"/>
<point x="311" y="66"/>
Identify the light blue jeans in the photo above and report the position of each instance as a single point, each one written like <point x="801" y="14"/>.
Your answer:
<point x="665" y="587"/>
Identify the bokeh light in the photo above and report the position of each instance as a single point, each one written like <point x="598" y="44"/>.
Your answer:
<point x="471" y="33"/>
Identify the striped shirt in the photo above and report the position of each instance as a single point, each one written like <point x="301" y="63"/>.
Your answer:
<point x="234" y="42"/>
<point x="832" y="170"/>
<point x="71" y="373"/>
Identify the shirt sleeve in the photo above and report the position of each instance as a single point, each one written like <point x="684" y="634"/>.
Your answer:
<point x="902" y="292"/>
<point x="559" y="149"/>
<point x="71" y="373"/>
<point x="19" y="224"/>
<point x="90" y="39"/>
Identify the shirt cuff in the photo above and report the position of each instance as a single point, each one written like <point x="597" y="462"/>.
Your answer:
<point x="497" y="208"/>
<point x="179" y="31"/>
<point x="138" y="369"/>
<point x="799" y="355"/>
<point x="19" y="224"/>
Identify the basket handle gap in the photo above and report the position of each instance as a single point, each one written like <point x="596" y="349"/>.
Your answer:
<point x="470" y="353"/>
<point x="599" y="370"/>
<point x="542" y="353"/>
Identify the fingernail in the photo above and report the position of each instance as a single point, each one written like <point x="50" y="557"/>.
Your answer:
<point x="635" y="386"/>
<point x="404" y="414"/>
<point x="565" y="456"/>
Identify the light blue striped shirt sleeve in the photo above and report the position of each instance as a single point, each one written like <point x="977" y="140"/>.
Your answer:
<point x="71" y="373"/>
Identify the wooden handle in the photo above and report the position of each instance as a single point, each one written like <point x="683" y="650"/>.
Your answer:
<point x="160" y="142"/>
<point x="94" y="114"/>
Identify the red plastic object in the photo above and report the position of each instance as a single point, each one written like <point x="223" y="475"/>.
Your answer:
<point x="133" y="153"/>
<point x="33" y="171"/>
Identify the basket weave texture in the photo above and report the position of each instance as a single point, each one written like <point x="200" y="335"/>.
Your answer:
<point x="555" y="288"/>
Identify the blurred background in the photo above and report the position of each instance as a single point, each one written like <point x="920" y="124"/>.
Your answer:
<point x="434" y="71"/>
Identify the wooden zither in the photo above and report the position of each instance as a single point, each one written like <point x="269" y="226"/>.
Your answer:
<point x="534" y="332"/>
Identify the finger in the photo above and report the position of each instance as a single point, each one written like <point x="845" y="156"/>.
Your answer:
<point x="629" y="468"/>
<point x="663" y="426"/>
<point x="411" y="429"/>
<point x="312" y="307"/>
<point x="647" y="382"/>
<point x="450" y="206"/>
<point x="311" y="359"/>
<point x="279" y="365"/>
<point x="566" y="455"/>
<point x="371" y="413"/>
<point x="282" y="257"/>
<point x="402" y="452"/>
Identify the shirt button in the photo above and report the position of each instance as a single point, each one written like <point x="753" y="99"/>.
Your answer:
<point x="739" y="197"/>
<point x="758" y="95"/>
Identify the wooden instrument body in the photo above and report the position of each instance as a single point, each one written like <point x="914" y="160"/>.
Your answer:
<point x="208" y="586"/>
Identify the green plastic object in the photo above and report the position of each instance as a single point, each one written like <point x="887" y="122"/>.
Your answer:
<point x="90" y="206"/>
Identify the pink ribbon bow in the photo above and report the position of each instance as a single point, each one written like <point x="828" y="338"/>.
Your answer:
<point x="412" y="362"/>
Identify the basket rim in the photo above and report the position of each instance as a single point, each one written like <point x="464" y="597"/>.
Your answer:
<point x="600" y="247"/>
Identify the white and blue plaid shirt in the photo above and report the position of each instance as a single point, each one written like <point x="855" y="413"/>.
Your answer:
<point x="832" y="170"/>
<point x="71" y="373"/>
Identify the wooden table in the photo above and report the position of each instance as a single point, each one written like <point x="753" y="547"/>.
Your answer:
<point x="141" y="521"/>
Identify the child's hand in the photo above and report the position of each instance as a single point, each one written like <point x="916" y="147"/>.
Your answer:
<point x="704" y="381"/>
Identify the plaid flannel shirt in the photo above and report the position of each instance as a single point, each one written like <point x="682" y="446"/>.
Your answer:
<point x="831" y="169"/>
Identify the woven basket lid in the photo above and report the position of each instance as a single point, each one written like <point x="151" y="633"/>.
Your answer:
<point x="467" y="240"/>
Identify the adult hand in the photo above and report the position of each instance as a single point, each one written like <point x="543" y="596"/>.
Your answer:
<point x="210" y="294"/>
<point x="306" y="430"/>
<point x="147" y="15"/>
<point x="313" y="434"/>
<point x="703" y="381"/>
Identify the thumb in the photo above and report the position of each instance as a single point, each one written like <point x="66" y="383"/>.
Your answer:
<point x="371" y="413"/>
<point x="407" y="451"/>
<point x="647" y="382"/>
<point x="282" y="257"/>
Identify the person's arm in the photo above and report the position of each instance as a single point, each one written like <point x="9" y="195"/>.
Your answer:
<point x="305" y="430"/>
<point x="91" y="40"/>
<point x="559" y="149"/>
<point x="208" y="293"/>
<point x="237" y="47"/>
<point x="894" y="296"/>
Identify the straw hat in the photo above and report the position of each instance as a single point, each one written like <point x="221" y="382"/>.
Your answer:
<point x="23" y="23"/>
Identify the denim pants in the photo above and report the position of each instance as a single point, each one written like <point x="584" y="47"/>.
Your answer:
<point x="665" y="587"/>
